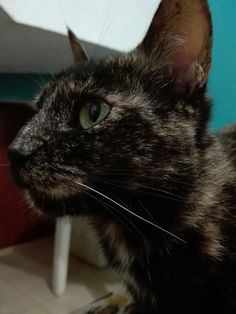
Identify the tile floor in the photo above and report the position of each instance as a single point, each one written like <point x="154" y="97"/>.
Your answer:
<point x="25" y="274"/>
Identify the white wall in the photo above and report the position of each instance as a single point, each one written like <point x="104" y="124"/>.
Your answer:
<point x="116" y="24"/>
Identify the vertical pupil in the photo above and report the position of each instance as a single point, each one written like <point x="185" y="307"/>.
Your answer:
<point x="94" y="112"/>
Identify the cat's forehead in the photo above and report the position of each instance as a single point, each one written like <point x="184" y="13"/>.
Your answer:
<point x="116" y="79"/>
<point x="112" y="72"/>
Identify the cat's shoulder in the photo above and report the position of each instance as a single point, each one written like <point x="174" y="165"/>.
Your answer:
<point x="227" y="137"/>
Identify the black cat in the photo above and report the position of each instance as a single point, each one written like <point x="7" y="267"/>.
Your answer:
<point x="125" y="141"/>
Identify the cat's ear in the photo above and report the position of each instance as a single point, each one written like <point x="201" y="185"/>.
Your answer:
<point x="78" y="50"/>
<point x="179" y="39"/>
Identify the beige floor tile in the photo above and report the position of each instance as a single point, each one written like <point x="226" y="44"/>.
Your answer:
<point x="27" y="269"/>
<point x="35" y="310"/>
<point x="12" y="301"/>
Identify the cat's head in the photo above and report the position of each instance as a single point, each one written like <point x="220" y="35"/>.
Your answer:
<point x="126" y="123"/>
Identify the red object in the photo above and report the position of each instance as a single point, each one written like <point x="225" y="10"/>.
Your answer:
<point x="17" y="221"/>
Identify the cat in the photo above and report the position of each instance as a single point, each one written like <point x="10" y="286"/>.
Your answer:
<point x="125" y="141"/>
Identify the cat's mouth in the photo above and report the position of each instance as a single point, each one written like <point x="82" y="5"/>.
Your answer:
<point x="59" y="201"/>
<point x="47" y="204"/>
<point x="45" y="181"/>
<point x="58" y="192"/>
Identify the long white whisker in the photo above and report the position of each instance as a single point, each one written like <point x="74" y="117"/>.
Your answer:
<point x="129" y="211"/>
<point x="134" y="226"/>
<point x="165" y="192"/>
<point x="110" y="208"/>
<point x="154" y="193"/>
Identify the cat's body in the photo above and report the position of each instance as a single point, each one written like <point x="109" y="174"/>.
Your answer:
<point x="125" y="142"/>
<point x="199" y="276"/>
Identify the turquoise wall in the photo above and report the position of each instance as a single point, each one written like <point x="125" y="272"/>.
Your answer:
<point x="21" y="87"/>
<point x="222" y="84"/>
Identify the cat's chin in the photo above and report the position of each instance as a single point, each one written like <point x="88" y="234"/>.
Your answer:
<point x="47" y="204"/>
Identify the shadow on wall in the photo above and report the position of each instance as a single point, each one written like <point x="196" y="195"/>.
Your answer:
<point x="27" y="49"/>
<point x="29" y="56"/>
<point x="222" y="85"/>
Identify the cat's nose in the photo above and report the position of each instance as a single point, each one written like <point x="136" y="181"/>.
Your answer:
<point x="18" y="154"/>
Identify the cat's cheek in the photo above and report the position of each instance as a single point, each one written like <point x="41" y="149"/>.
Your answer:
<point x="31" y="203"/>
<point x="132" y="285"/>
<point x="139" y="293"/>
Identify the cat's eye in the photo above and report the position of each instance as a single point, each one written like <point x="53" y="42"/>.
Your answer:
<point x="92" y="113"/>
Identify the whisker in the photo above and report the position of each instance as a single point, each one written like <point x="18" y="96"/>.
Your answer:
<point x="38" y="83"/>
<point x="105" y="28"/>
<point x="153" y="190"/>
<point x="163" y="191"/>
<point x="110" y="209"/>
<point x="129" y="211"/>
<point x="111" y="183"/>
<point x="119" y="173"/>
<point x="147" y="211"/>
<point x="127" y="174"/>
<point x="104" y="24"/>
<point x="133" y="224"/>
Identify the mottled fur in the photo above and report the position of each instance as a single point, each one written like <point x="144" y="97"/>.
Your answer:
<point x="154" y="155"/>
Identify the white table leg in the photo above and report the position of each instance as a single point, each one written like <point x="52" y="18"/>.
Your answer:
<point x="61" y="255"/>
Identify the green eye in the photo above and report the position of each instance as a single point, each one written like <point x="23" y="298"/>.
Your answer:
<point x="93" y="113"/>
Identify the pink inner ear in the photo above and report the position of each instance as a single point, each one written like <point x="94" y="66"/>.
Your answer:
<point x="182" y="59"/>
<point x="185" y="71"/>
<point x="180" y="37"/>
